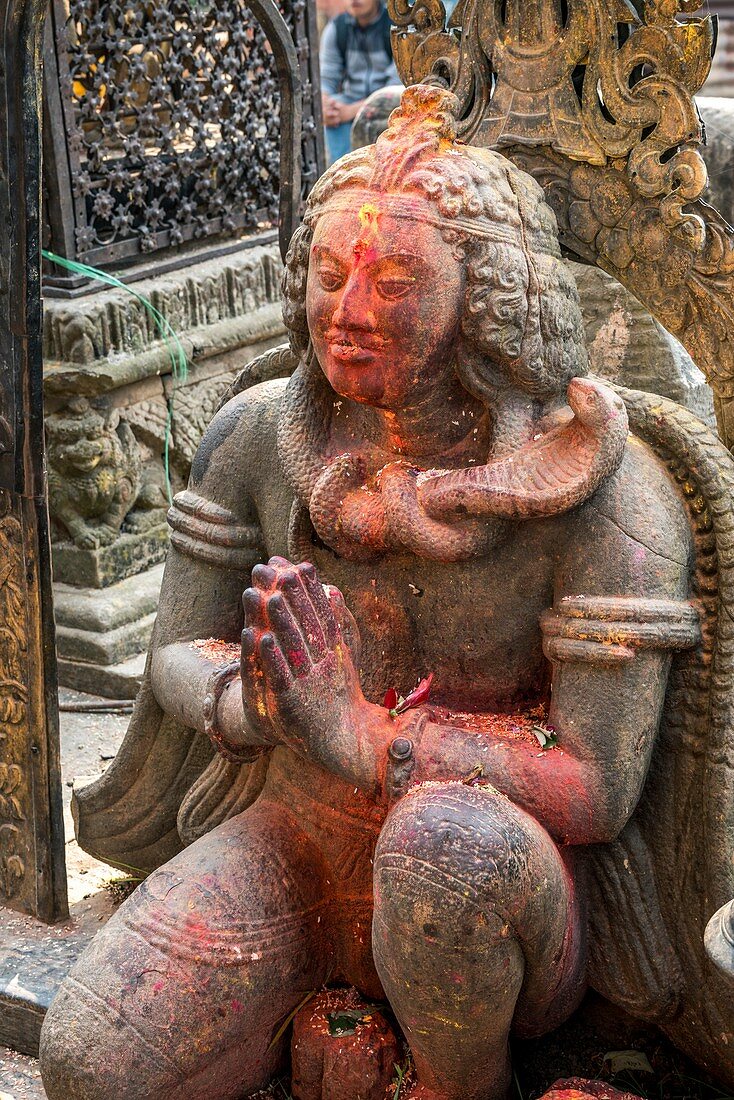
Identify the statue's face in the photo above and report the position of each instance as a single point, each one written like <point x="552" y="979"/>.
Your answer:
<point x="384" y="300"/>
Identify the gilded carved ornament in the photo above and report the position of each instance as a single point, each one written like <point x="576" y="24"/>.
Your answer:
<point x="13" y="701"/>
<point x="596" y="101"/>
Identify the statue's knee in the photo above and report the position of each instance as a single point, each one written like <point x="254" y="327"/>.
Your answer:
<point x="87" y="1052"/>
<point x="455" y="841"/>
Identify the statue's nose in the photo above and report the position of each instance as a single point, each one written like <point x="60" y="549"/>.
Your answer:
<point x="356" y="308"/>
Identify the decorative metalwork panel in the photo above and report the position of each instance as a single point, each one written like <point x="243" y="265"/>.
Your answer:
<point x="173" y="117"/>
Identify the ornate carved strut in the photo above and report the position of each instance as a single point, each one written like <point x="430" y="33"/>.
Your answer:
<point x="596" y="101"/>
<point x="32" y="869"/>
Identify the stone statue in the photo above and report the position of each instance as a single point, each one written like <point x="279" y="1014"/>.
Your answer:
<point x="467" y="508"/>
<point x="94" y="472"/>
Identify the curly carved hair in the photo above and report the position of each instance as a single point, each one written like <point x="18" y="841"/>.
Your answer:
<point x="521" y="319"/>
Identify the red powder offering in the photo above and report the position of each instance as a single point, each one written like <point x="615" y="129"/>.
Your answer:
<point x="214" y="649"/>
<point x="499" y="727"/>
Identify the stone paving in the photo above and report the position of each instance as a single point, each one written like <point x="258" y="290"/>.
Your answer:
<point x="88" y="744"/>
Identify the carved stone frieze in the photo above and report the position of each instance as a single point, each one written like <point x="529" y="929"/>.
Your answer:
<point x="111" y="323"/>
<point x="194" y="408"/>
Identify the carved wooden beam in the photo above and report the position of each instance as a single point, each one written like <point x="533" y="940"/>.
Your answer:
<point x="32" y="869"/>
<point x="595" y="99"/>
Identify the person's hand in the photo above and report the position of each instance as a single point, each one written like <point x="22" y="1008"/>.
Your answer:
<point x="298" y="670"/>
<point x="336" y="113"/>
<point x="333" y="113"/>
<point x="330" y="108"/>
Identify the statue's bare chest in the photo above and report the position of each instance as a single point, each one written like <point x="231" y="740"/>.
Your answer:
<point x="473" y="624"/>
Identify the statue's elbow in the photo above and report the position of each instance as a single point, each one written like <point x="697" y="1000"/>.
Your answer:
<point x="597" y="821"/>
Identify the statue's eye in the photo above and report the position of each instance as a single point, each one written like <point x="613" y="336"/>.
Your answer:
<point x="395" y="286"/>
<point x="330" y="278"/>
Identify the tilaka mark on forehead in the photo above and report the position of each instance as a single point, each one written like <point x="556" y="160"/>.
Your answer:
<point x="368" y="214"/>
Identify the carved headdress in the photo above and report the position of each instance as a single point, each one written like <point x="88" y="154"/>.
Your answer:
<point x="522" y="307"/>
<point x="520" y="348"/>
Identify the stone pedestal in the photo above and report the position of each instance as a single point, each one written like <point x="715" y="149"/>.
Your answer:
<point x="113" y="410"/>
<point x="102" y="634"/>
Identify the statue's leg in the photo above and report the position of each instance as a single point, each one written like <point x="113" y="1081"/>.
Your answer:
<point x="476" y="927"/>
<point x="182" y="993"/>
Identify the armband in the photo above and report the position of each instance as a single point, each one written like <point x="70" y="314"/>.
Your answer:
<point x="607" y="630"/>
<point x="401" y="759"/>
<point x="207" y="532"/>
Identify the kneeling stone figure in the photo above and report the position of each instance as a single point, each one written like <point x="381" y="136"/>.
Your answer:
<point x="460" y="499"/>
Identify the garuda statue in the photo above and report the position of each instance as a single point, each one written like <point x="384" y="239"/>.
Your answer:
<point x="467" y="507"/>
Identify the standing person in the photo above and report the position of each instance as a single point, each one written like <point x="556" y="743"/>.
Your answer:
<point x="356" y="60"/>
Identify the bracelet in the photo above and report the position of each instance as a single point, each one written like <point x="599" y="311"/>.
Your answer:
<point x="401" y="755"/>
<point x="216" y="685"/>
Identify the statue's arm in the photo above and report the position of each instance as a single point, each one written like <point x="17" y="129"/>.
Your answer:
<point x="620" y="610"/>
<point x="610" y="653"/>
<point x="216" y="540"/>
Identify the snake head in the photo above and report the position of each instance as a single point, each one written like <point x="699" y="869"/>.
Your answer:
<point x="597" y="407"/>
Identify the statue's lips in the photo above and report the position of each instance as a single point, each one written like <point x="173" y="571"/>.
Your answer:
<point x="355" y="347"/>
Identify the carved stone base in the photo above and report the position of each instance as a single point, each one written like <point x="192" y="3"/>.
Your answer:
<point x="102" y="634"/>
<point x="125" y="557"/>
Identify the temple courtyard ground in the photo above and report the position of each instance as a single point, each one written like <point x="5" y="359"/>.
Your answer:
<point x="89" y="742"/>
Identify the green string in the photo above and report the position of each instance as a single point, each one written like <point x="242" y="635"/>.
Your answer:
<point x="179" y="362"/>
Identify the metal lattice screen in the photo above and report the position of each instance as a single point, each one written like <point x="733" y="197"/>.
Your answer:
<point x="165" y="124"/>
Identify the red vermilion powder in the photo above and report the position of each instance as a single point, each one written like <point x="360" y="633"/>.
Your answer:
<point x="214" y="649"/>
<point x="500" y="727"/>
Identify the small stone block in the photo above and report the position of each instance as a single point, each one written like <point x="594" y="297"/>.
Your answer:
<point x="33" y="962"/>
<point x="109" y="648"/>
<point x="104" y="609"/>
<point x="342" y="1049"/>
<point x="578" y="1088"/>
<point x="110" y="681"/>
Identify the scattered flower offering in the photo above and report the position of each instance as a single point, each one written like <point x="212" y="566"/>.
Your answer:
<point x="398" y="705"/>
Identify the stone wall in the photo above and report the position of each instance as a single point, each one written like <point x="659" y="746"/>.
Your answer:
<point x="718" y="116"/>
<point x="113" y="408"/>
